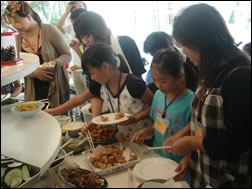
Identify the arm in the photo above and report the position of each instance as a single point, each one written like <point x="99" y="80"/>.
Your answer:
<point x="146" y="99"/>
<point x="73" y="102"/>
<point x="62" y="20"/>
<point x="57" y="39"/>
<point x="171" y="140"/>
<point x="96" y="105"/>
<point x="141" y="135"/>
<point x="75" y="45"/>
<point x="18" y="88"/>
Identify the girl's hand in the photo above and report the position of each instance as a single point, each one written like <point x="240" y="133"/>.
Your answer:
<point x="74" y="44"/>
<point x="68" y="9"/>
<point x="90" y="126"/>
<point x="183" y="146"/>
<point x="182" y="168"/>
<point x="53" y="111"/>
<point x="78" y="5"/>
<point x="44" y="75"/>
<point x="169" y="142"/>
<point x="139" y="136"/>
<point x="131" y="120"/>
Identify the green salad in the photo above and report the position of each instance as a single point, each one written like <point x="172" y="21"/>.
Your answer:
<point x="9" y="101"/>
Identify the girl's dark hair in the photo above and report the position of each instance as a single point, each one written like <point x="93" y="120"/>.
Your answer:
<point x="75" y="14"/>
<point x="26" y="9"/>
<point x="92" y="23"/>
<point x="98" y="53"/>
<point x="247" y="48"/>
<point x="202" y="28"/>
<point x="156" y="41"/>
<point x="169" y="60"/>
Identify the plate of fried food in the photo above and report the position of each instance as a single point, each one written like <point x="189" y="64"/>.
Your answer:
<point x="110" y="158"/>
<point x="50" y="64"/>
<point x="111" y="118"/>
<point x="75" y="177"/>
<point x="103" y="135"/>
<point x="75" y="68"/>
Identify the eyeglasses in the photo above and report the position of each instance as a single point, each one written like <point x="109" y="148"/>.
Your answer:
<point x="85" y="37"/>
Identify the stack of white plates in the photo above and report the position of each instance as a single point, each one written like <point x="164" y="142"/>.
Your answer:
<point x="155" y="168"/>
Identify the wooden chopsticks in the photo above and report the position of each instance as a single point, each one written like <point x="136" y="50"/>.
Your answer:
<point x="69" y="153"/>
<point x="63" y="146"/>
<point x="159" y="147"/>
<point x="55" y="177"/>
<point x="91" y="143"/>
<point x="47" y="106"/>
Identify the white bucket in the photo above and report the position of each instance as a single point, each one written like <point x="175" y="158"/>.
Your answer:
<point x="86" y="113"/>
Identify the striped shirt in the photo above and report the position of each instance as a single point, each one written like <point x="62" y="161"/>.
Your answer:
<point x="218" y="166"/>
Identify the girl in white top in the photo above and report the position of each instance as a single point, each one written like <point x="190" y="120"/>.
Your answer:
<point x="121" y="92"/>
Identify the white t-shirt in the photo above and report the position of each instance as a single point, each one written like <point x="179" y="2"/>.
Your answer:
<point x="75" y="57"/>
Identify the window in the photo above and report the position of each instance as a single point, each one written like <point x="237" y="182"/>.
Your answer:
<point x="153" y="16"/>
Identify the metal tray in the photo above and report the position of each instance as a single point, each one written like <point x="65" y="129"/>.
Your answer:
<point x="35" y="175"/>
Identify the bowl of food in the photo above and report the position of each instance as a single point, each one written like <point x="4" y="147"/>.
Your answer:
<point x="28" y="109"/>
<point x="55" y="165"/>
<point x="9" y="103"/>
<point x="73" y="128"/>
<point x="73" y="147"/>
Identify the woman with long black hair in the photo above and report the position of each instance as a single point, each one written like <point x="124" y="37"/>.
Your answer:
<point x="219" y="134"/>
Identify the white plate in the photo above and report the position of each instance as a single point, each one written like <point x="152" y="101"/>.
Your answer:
<point x="78" y="70"/>
<point x="155" y="168"/>
<point x="111" y="119"/>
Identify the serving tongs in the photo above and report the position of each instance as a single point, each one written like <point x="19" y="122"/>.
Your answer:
<point x="5" y="96"/>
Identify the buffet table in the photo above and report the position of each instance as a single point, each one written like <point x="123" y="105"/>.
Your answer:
<point x="118" y="179"/>
<point x="12" y="73"/>
<point x="35" y="141"/>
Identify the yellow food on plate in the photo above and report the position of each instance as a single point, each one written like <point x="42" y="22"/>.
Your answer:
<point x="103" y="118"/>
<point x="119" y="115"/>
<point x="75" y="67"/>
<point x="26" y="107"/>
<point x="46" y="64"/>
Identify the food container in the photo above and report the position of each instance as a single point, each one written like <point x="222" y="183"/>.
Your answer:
<point x="7" y="107"/>
<point x="100" y="134"/>
<point x="87" y="113"/>
<point x="84" y="146"/>
<point x="29" y="113"/>
<point x="55" y="166"/>
<point x="27" y="182"/>
<point x="71" y="185"/>
<point x="9" y="41"/>
<point x="126" y="153"/>
<point x="73" y="128"/>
